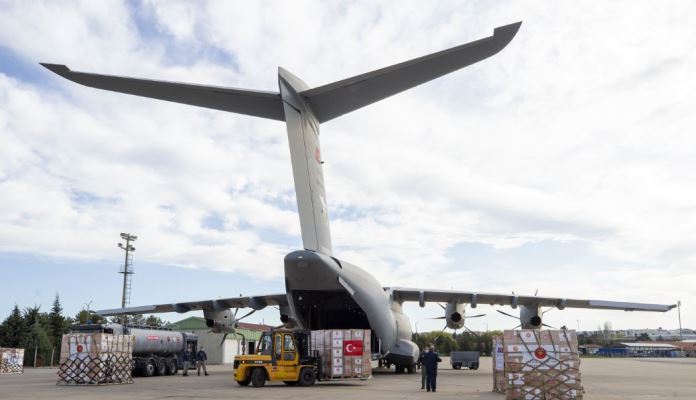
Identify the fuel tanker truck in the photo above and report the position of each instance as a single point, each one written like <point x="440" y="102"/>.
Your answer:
<point x="156" y="351"/>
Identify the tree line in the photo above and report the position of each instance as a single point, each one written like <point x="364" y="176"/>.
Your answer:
<point x="40" y="333"/>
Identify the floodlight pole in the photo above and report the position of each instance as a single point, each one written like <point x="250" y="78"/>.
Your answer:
<point x="126" y="272"/>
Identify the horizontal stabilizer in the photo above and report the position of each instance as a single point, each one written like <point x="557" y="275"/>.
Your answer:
<point x="338" y="98"/>
<point x="249" y="102"/>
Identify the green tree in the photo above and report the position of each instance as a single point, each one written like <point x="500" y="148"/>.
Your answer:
<point x="37" y="341"/>
<point x="85" y="317"/>
<point x="153" y="320"/>
<point x="13" y="330"/>
<point x="58" y="325"/>
<point x="444" y="343"/>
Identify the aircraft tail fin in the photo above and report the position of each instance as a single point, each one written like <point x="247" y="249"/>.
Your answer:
<point x="338" y="98"/>
<point x="249" y="102"/>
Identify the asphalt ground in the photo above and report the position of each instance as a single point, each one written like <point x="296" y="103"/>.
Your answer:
<point x="602" y="379"/>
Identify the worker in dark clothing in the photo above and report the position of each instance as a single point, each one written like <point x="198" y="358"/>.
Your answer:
<point x="201" y="358"/>
<point x="422" y="366"/>
<point x="430" y="361"/>
<point x="186" y="358"/>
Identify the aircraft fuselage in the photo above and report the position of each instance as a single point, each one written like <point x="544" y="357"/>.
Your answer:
<point x="327" y="293"/>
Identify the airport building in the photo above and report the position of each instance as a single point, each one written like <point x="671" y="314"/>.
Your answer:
<point x="211" y="342"/>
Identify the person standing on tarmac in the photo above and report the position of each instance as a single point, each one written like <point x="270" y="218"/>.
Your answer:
<point x="430" y="361"/>
<point x="186" y="359"/>
<point x="422" y="365"/>
<point x="201" y="358"/>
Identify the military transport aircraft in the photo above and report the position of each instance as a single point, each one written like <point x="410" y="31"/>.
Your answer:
<point x="323" y="291"/>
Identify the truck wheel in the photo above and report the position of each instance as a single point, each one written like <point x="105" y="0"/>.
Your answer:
<point x="474" y="366"/>
<point x="258" y="377"/>
<point x="307" y="377"/>
<point x="161" y="368"/>
<point x="411" y="369"/>
<point x="456" y="366"/>
<point x="149" y="368"/>
<point x="171" y="367"/>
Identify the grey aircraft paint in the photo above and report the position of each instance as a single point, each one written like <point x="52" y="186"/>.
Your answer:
<point x="322" y="291"/>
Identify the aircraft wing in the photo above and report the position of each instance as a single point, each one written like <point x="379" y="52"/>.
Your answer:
<point x="255" y="302"/>
<point x="423" y="296"/>
<point x="250" y="102"/>
<point x="338" y="98"/>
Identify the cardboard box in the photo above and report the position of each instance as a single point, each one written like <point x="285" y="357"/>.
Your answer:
<point x="11" y="360"/>
<point x="344" y="352"/>
<point x="95" y="358"/>
<point x="537" y="364"/>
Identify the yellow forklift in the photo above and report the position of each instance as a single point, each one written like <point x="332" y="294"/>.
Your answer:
<point x="281" y="355"/>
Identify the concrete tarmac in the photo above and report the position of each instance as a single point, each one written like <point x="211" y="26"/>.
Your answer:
<point x="602" y="378"/>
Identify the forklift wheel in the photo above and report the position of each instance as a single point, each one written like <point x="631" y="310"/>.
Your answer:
<point x="258" y="377"/>
<point x="244" y="383"/>
<point x="307" y="377"/>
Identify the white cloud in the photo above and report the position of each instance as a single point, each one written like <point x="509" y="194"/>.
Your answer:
<point x="581" y="131"/>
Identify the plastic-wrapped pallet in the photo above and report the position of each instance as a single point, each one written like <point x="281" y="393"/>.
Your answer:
<point x="95" y="358"/>
<point x="541" y="365"/>
<point x="345" y="353"/>
<point x="11" y="361"/>
<point x="499" y="379"/>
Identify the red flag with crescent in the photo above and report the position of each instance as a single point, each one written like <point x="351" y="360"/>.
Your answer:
<point x="352" y="348"/>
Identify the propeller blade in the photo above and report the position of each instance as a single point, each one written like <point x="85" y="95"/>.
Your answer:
<point x="549" y="326"/>
<point x="236" y="310"/>
<point x="438" y="318"/>
<point x="470" y="331"/>
<point x="474" y="316"/>
<point x="245" y="315"/>
<point x="545" y="311"/>
<point x="443" y="329"/>
<point x="535" y="292"/>
<point x="441" y="306"/>
<point x="223" y="339"/>
<point x="509" y="315"/>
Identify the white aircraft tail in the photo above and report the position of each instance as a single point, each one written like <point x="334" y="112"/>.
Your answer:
<point x="304" y="109"/>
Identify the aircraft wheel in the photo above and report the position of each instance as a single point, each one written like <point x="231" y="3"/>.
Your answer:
<point x="307" y="377"/>
<point x="258" y="377"/>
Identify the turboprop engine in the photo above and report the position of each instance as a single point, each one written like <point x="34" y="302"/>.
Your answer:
<point x="530" y="317"/>
<point x="454" y="315"/>
<point x="220" y="321"/>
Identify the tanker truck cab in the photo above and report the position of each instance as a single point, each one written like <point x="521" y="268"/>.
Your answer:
<point x="281" y="355"/>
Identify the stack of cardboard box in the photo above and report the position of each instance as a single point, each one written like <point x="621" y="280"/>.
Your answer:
<point x="540" y="365"/>
<point x="498" y="355"/>
<point x="345" y="353"/>
<point x="11" y="361"/>
<point x="96" y="358"/>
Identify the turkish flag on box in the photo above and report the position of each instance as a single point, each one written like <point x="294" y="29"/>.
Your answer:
<point x="352" y="347"/>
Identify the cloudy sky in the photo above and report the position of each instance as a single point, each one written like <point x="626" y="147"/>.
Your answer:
<point x="565" y="163"/>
